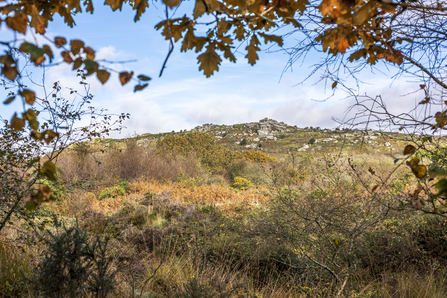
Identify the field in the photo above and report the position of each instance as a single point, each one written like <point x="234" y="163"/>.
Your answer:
<point x="225" y="212"/>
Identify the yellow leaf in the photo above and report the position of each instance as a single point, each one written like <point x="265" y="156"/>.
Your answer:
<point x="103" y="75"/>
<point x="409" y="149"/>
<point x="420" y="171"/>
<point x="413" y="162"/>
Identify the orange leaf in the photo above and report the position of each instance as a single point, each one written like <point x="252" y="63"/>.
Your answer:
<point x="334" y="84"/>
<point x="90" y="53"/>
<point x="426" y="100"/>
<point x="60" y="42"/>
<point x="67" y="57"/>
<point x="125" y="77"/>
<point x="422" y="86"/>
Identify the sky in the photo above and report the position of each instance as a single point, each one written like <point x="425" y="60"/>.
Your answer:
<point x="184" y="98"/>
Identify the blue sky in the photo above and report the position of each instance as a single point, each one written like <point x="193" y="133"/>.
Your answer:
<point x="184" y="98"/>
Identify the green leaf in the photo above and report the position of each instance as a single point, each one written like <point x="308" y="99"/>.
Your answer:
<point x="31" y="205"/>
<point x="209" y="61"/>
<point x="144" y="78"/>
<point x="272" y="38"/>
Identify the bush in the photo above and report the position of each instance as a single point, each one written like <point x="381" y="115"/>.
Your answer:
<point x="202" y="145"/>
<point x="243" y="142"/>
<point x="242" y="183"/>
<point x="258" y="156"/>
<point x="312" y="141"/>
<point x="74" y="266"/>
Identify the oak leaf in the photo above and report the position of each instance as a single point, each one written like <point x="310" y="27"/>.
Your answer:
<point x="209" y="61"/>
<point x="272" y="38"/>
<point x="252" y="50"/>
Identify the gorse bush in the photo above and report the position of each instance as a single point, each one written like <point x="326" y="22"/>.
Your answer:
<point x="242" y="183"/>
<point x="74" y="266"/>
<point x="258" y="156"/>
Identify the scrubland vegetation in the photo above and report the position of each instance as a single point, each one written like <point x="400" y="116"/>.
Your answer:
<point x="186" y="217"/>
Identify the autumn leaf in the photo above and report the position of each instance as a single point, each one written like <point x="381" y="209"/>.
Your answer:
<point x="144" y="78"/>
<point x="36" y="53"/>
<point x="364" y="13"/>
<point x="76" y="46"/>
<point x="17" y="123"/>
<point x="103" y="75"/>
<point x="425" y="101"/>
<point x="140" y="8"/>
<point x="125" y="77"/>
<point x="209" y="61"/>
<point x="252" y="50"/>
<point x="172" y="3"/>
<point x="9" y="100"/>
<point x="18" y="22"/>
<point x="240" y="33"/>
<point x="409" y="149"/>
<point x="272" y="38"/>
<point x="140" y="87"/>
<point x="422" y="86"/>
<point x="334" y="84"/>
<point x="9" y="68"/>
<point x="28" y="95"/>
<point x="199" y="9"/>
<point x="60" y="42"/>
<point x="46" y="191"/>
<point x="90" y="53"/>
<point x="342" y="44"/>
<point x="37" y="21"/>
<point x="114" y="4"/>
<point x="420" y="171"/>
<point x="190" y="41"/>
<point x="413" y="162"/>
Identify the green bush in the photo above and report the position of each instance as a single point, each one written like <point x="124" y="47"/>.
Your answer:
<point x="312" y="141"/>
<point x="243" y="142"/>
<point x="74" y="266"/>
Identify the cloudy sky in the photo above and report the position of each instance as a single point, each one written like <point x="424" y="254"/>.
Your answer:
<point x="184" y="98"/>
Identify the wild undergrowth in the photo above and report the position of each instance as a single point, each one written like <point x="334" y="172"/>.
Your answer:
<point x="300" y="226"/>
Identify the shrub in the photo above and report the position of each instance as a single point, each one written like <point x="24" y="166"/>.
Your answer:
<point x="106" y="193"/>
<point x="242" y="183"/>
<point x="74" y="266"/>
<point x="312" y="141"/>
<point x="258" y="156"/>
<point x="202" y="145"/>
<point x="243" y="142"/>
